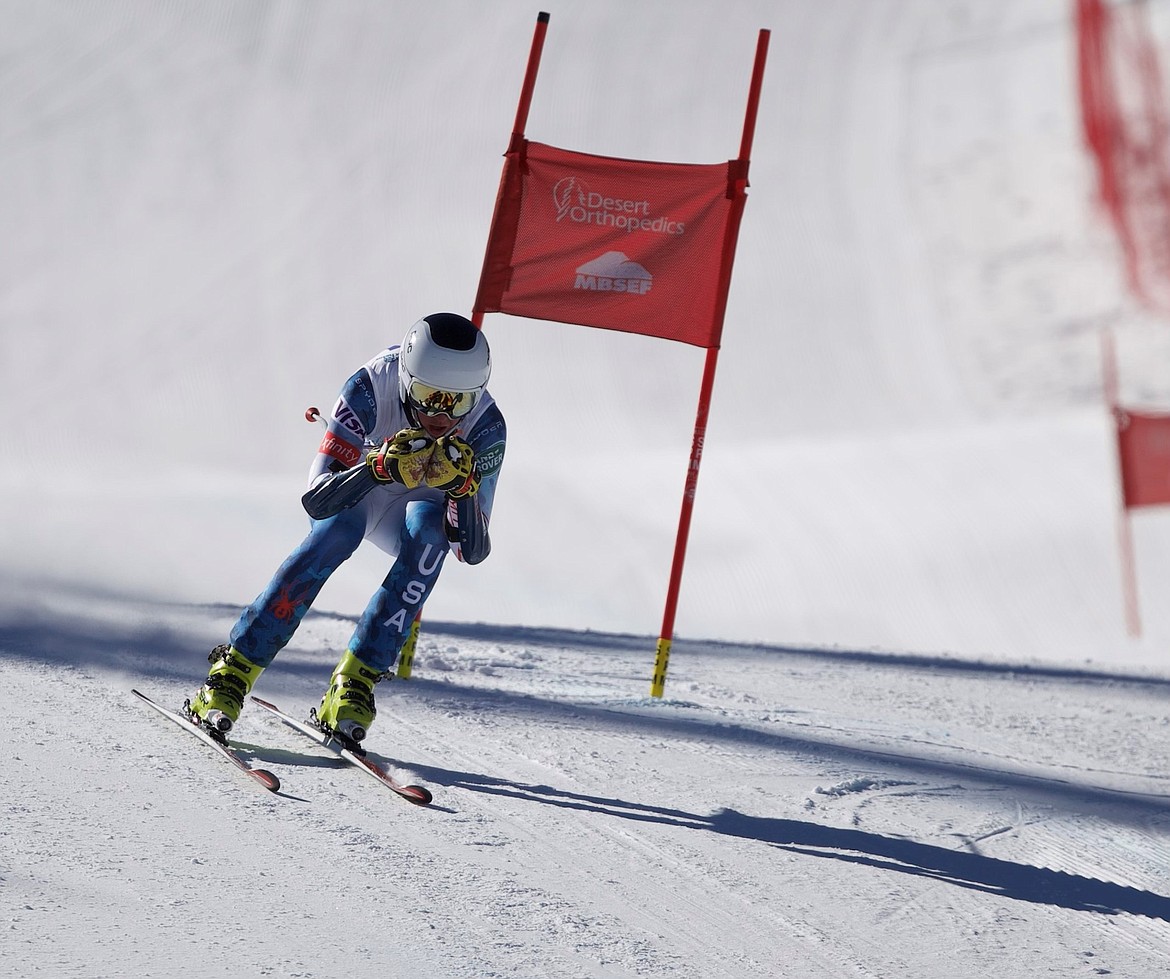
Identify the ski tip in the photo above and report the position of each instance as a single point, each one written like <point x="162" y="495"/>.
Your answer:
<point x="266" y="778"/>
<point x="417" y="794"/>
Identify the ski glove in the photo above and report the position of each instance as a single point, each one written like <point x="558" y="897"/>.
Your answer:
<point x="402" y="459"/>
<point x="452" y="468"/>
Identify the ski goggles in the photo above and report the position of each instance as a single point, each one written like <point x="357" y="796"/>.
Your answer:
<point x="436" y="401"/>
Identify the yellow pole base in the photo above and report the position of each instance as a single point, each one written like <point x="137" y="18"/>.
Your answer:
<point x="406" y="656"/>
<point x="658" y="683"/>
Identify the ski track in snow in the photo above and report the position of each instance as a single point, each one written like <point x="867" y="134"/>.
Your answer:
<point x="798" y="813"/>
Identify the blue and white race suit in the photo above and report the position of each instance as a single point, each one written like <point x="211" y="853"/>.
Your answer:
<point x="419" y="527"/>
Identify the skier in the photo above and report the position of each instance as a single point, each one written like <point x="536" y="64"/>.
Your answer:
<point x="420" y="419"/>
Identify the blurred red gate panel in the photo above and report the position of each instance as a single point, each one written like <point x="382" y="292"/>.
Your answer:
<point x="1125" y="128"/>
<point x="1143" y="440"/>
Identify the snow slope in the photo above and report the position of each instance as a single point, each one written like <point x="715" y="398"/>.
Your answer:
<point x="904" y="733"/>
<point x="783" y="812"/>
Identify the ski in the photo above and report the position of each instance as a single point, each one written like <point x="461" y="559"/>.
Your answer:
<point x="417" y="794"/>
<point x="261" y="775"/>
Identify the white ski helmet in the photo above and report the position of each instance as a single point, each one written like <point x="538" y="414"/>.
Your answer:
<point x="443" y="365"/>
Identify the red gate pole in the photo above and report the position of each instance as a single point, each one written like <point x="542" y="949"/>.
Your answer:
<point x="529" y="83"/>
<point x="666" y="635"/>
<point x="521" y="123"/>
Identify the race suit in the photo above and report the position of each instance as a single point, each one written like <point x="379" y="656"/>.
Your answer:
<point x="417" y="526"/>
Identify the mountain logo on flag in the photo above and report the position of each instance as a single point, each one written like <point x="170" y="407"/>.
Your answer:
<point x="614" y="272"/>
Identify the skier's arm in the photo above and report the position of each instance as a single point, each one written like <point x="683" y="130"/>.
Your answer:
<point x="467" y="516"/>
<point x="353" y="415"/>
<point x="339" y="476"/>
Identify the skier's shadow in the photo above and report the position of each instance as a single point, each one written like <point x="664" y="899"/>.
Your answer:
<point x="1022" y="882"/>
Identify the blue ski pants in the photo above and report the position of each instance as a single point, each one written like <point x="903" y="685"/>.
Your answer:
<point x="266" y="626"/>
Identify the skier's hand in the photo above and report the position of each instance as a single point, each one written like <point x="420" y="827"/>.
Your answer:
<point x="452" y="467"/>
<point x="402" y="459"/>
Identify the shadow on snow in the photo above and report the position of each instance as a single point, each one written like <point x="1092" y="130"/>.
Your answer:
<point x="1021" y="882"/>
<point x="53" y="632"/>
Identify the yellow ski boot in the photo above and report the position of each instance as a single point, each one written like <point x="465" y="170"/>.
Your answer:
<point x="348" y="708"/>
<point x="218" y="703"/>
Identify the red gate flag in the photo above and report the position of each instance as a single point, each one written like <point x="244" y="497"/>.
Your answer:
<point x="1143" y="442"/>
<point x="627" y="245"/>
<point x="1143" y="457"/>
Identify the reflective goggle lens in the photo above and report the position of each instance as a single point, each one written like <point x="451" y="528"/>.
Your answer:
<point x="436" y="401"/>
